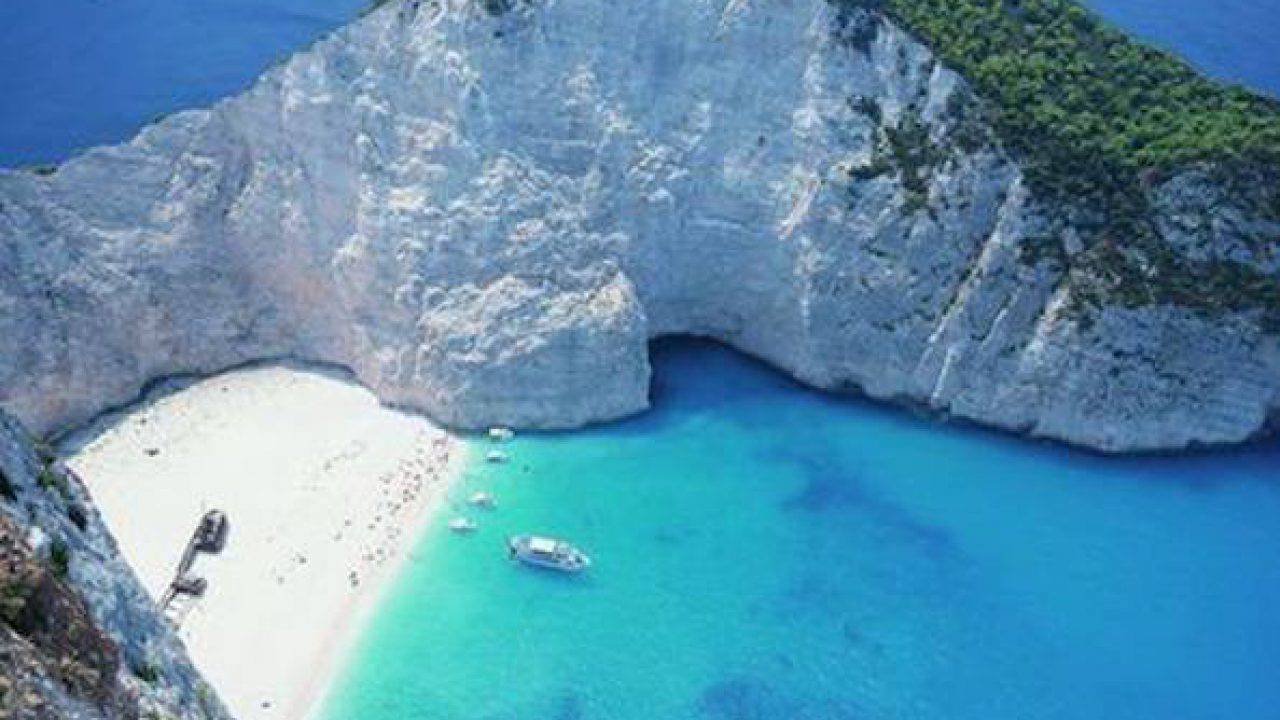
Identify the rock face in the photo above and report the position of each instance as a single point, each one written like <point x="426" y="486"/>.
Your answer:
<point x="81" y="638"/>
<point x="486" y="210"/>
<point x="50" y="640"/>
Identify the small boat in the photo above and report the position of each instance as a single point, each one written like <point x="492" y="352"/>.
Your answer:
<point x="547" y="553"/>
<point x="496" y="456"/>
<point x="462" y="525"/>
<point x="483" y="499"/>
<point x="501" y="434"/>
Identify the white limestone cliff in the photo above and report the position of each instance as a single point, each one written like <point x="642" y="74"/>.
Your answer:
<point x="486" y="210"/>
<point x="154" y="677"/>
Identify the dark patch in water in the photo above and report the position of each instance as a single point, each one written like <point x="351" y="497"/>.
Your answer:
<point x="813" y="589"/>
<point x="857" y="640"/>
<point x="570" y="708"/>
<point x="849" y="516"/>
<point x="823" y="491"/>
<point x="852" y="636"/>
<point x="752" y="699"/>
<point x="829" y="483"/>
<point x="672" y="536"/>
<point x="744" y="699"/>
<point x="830" y="487"/>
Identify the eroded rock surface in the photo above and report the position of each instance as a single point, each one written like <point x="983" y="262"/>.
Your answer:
<point x="79" y="637"/>
<point x="487" y="209"/>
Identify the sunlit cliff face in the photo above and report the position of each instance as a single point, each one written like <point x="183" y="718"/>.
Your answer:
<point x="486" y="213"/>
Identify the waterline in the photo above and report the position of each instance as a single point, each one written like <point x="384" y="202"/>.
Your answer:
<point x="763" y="551"/>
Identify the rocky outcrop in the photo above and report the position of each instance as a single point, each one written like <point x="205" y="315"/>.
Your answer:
<point x="486" y="210"/>
<point x="50" y="641"/>
<point x="79" y="637"/>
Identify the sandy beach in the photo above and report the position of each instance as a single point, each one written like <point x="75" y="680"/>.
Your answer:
<point x="325" y="489"/>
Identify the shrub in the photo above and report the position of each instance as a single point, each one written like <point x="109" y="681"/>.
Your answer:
<point x="13" y="600"/>
<point x="497" y="7"/>
<point x="7" y="491"/>
<point x="52" y="481"/>
<point x="77" y="515"/>
<point x="60" y="559"/>
<point x="146" y="671"/>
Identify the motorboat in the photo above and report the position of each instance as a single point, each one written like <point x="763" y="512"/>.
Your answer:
<point x="483" y="500"/>
<point x="501" y="434"/>
<point x="548" y="553"/>
<point x="462" y="525"/>
<point x="496" y="456"/>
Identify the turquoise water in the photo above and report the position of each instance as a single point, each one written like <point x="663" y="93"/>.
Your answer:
<point x="765" y="552"/>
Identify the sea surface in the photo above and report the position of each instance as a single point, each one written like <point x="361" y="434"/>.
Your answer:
<point x="765" y="552"/>
<point x="79" y="73"/>
<point x="1234" y="40"/>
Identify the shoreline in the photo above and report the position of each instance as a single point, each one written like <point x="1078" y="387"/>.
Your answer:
<point x="327" y="493"/>
<point x="344" y="638"/>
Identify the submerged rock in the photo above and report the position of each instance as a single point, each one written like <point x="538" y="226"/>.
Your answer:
<point x="487" y="214"/>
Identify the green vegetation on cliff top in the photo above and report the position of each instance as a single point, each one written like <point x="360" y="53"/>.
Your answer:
<point x="1080" y="100"/>
<point x="1096" y="121"/>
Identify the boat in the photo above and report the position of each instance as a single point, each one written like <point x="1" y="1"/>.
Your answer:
<point x="462" y="525"/>
<point x="483" y="499"/>
<point x="501" y="434"/>
<point x="548" y="553"/>
<point x="496" y="456"/>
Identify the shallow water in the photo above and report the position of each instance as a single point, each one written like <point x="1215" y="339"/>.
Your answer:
<point x="763" y="551"/>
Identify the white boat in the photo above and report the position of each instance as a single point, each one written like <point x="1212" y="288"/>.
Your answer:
<point x="483" y="499"/>
<point x="547" y="553"/>
<point x="501" y="434"/>
<point x="496" y="456"/>
<point x="462" y="525"/>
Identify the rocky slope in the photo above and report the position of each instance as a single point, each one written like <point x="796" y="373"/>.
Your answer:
<point x="79" y="637"/>
<point x="486" y="210"/>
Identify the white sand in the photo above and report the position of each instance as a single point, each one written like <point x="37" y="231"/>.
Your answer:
<point x="325" y="490"/>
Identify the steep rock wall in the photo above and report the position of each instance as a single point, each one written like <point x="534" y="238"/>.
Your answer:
<point x="487" y="209"/>
<point x="83" y="640"/>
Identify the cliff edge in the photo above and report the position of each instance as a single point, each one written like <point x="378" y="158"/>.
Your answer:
<point x="79" y="637"/>
<point x="487" y="209"/>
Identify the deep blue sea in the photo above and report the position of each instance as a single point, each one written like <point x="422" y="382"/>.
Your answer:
<point x="764" y="552"/>
<point x="79" y="73"/>
<point x="1235" y="40"/>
